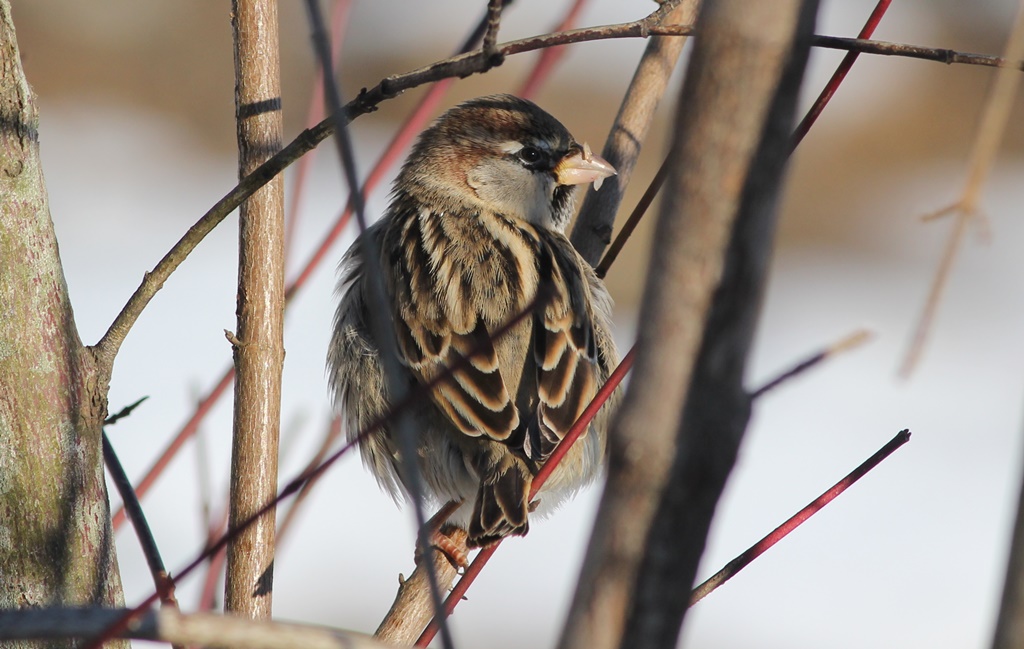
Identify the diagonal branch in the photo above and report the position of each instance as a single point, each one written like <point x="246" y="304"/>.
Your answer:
<point x="458" y="66"/>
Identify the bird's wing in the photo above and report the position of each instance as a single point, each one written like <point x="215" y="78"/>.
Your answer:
<point x="565" y="350"/>
<point x="439" y="329"/>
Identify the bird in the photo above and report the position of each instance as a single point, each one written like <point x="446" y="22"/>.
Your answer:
<point x="473" y="238"/>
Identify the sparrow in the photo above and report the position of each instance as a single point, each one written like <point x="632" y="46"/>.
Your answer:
<point x="472" y="239"/>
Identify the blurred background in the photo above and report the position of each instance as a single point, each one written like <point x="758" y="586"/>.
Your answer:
<point x="138" y="140"/>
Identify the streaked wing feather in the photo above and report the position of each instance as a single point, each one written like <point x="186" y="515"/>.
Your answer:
<point x="567" y="365"/>
<point x="439" y="328"/>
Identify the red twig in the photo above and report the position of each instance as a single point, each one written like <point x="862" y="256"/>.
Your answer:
<point x="797" y="519"/>
<point x="413" y="125"/>
<point x="190" y="427"/>
<point x="315" y="113"/>
<point x="459" y="591"/>
<point x="549" y="57"/>
<point x="837" y="77"/>
<point x="801" y="130"/>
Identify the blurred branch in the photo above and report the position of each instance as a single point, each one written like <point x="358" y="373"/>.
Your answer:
<point x="987" y="140"/>
<point x="314" y="113"/>
<point x="742" y="142"/>
<point x="488" y="47"/>
<point x="837" y="77"/>
<point x="856" y="339"/>
<point x="593" y="230"/>
<point x="169" y="625"/>
<point x="712" y="242"/>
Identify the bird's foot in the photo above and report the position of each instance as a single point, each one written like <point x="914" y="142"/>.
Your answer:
<point x="450" y="541"/>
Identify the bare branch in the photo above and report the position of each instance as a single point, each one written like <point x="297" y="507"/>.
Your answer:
<point x="413" y="607"/>
<point x="488" y="46"/>
<point x="161" y="580"/>
<point x="168" y="625"/>
<point x="732" y="568"/>
<point x="837" y="77"/>
<point x="965" y="210"/>
<point x="259" y="352"/>
<point x="390" y="87"/>
<point x="593" y="230"/>
<point x="712" y="241"/>
<point x="846" y="343"/>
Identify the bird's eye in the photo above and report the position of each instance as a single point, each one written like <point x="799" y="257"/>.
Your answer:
<point x="529" y="155"/>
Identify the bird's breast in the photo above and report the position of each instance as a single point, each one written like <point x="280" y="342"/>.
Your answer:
<point x="470" y="265"/>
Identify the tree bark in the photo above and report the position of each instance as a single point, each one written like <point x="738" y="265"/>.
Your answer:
<point x="259" y="345"/>
<point x="56" y="543"/>
<point x="713" y="239"/>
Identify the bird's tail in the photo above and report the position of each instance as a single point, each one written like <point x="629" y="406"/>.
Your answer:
<point x="501" y="507"/>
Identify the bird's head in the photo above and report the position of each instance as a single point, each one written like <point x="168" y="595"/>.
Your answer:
<point x="504" y="154"/>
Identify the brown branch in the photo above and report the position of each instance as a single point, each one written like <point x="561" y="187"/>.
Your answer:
<point x="593" y="230"/>
<point x="259" y="351"/>
<point x="844" y="344"/>
<point x="882" y="48"/>
<point x="390" y="87"/>
<point x="169" y="625"/>
<point x="413" y="607"/>
<point x="711" y="248"/>
<point x="489" y="44"/>
<point x="966" y="209"/>
<point x="57" y="542"/>
<point x="938" y="54"/>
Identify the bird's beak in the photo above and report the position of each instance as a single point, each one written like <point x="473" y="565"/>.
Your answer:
<point x="583" y="167"/>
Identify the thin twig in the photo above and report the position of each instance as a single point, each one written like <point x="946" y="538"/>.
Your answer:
<point x="634" y="218"/>
<point x="837" y="77"/>
<point x="150" y="550"/>
<point x="966" y="210"/>
<point x="780" y="532"/>
<point x="864" y="46"/>
<point x="846" y="343"/>
<point x="582" y="424"/>
<point x="390" y="87"/>
<point x="123" y="412"/>
<point x="381" y="327"/>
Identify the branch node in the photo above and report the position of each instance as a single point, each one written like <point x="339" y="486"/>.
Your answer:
<point x="233" y="339"/>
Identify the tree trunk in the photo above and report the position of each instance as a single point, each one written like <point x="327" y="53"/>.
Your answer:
<point x="56" y="543"/>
